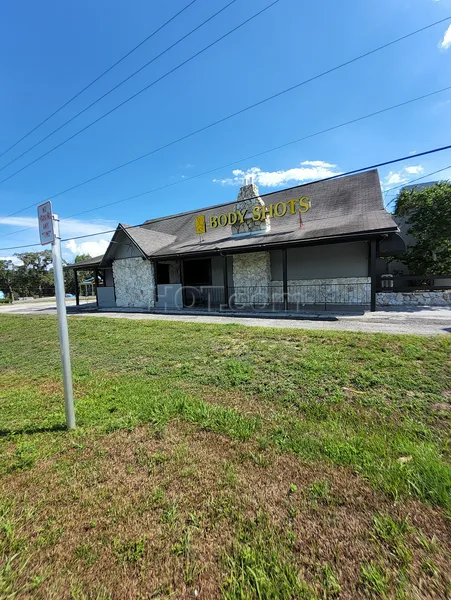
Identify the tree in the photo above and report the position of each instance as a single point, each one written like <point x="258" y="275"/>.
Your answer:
<point x="34" y="275"/>
<point x="7" y="276"/>
<point x="82" y="257"/>
<point x="428" y="214"/>
<point x="69" y="280"/>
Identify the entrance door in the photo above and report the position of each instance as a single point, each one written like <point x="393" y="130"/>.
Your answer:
<point x="196" y="274"/>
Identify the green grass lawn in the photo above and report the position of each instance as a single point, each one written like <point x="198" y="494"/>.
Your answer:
<point x="219" y="461"/>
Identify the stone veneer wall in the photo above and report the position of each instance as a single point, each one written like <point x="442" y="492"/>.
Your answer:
<point x="134" y="283"/>
<point x="251" y="274"/>
<point x="340" y="290"/>
<point x="246" y="200"/>
<point x="414" y="298"/>
<point x="252" y="285"/>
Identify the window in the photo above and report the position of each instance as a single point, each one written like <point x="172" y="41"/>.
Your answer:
<point x="162" y="274"/>
<point x="197" y="272"/>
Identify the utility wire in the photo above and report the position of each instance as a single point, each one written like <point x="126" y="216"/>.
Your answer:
<point x="295" y="187"/>
<point x="99" y="77"/>
<point x="227" y="117"/>
<point x="180" y="65"/>
<point x="210" y="171"/>
<point x="327" y="130"/>
<point x="412" y="181"/>
<point x="108" y="93"/>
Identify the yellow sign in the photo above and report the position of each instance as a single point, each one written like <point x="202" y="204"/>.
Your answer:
<point x="259" y="213"/>
<point x="200" y="224"/>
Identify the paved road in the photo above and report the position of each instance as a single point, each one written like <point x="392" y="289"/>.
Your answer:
<point x="425" y="321"/>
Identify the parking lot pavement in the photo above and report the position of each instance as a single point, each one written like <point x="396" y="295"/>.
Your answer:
<point x="422" y="320"/>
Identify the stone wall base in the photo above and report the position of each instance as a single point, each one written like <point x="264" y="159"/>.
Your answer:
<point x="134" y="283"/>
<point x="340" y="290"/>
<point x="414" y="298"/>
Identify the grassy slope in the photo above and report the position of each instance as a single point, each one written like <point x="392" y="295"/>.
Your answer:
<point x="240" y="462"/>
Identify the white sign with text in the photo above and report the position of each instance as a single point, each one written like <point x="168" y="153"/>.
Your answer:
<point x="45" y="220"/>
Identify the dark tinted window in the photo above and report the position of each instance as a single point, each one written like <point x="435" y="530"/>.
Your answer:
<point x="197" y="272"/>
<point x="162" y="274"/>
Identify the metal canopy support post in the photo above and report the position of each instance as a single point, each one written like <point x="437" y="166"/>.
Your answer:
<point x="77" y="289"/>
<point x="62" y="325"/>
<point x="182" y="280"/>
<point x="96" y="282"/>
<point x="155" y="279"/>
<point x="285" y="278"/>
<point x="226" y="281"/>
<point x="372" y="273"/>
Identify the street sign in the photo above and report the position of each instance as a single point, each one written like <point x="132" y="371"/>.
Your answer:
<point x="45" y="220"/>
<point x="49" y="232"/>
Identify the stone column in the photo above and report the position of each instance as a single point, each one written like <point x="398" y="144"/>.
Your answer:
<point x="246" y="200"/>
<point x="252" y="277"/>
<point x="134" y="281"/>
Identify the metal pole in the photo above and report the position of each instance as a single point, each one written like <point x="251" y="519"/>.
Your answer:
<point x="225" y="281"/>
<point x="182" y="279"/>
<point x="62" y="325"/>
<point x="96" y="281"/>
<point x="77" y="289"/>
<point x="285" y="278"/>
<point x="372" y="259"/>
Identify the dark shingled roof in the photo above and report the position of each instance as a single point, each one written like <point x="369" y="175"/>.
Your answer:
<point x="344" y="207"/>
<point x="89" y="262"/>
<point x="341" y="207"/>
<point x="150" y="241"/>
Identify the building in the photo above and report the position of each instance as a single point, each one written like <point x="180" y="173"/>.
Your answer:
<point x="310" y="246"/>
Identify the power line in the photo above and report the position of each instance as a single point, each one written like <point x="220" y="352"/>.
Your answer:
<point x="141" y="91"/>
<point x="258" y="154"/>
<point x="327" y="130"/>
<point x="413" y="181"/>
<point x="99" y="77"/>
<point x="376" y="166"/>
<point x="340" y="175"/>
<point x="109" y="92"/>
<point x="232" y="115"/>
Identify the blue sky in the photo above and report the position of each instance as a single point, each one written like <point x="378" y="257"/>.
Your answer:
<point x="52" y="49"/>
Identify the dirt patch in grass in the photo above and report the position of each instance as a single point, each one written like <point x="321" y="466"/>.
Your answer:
<point x="441" y="407"/>
<point x="159" y="513"/>
<point x="247" y="404"/>
<point x="55" y="387"/>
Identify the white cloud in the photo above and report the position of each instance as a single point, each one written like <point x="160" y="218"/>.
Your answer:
<point x="93" y="248"/>
<point x="69" y="227"/>
<point x="19" y="221"/>
<point x="16" y="261"/>
<point x="308" y="171"/>
<point x="395" y="178"/>
<point x="414" y="169"/>
<point x="317" y="163"/>
<point x="446" y="42"/>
